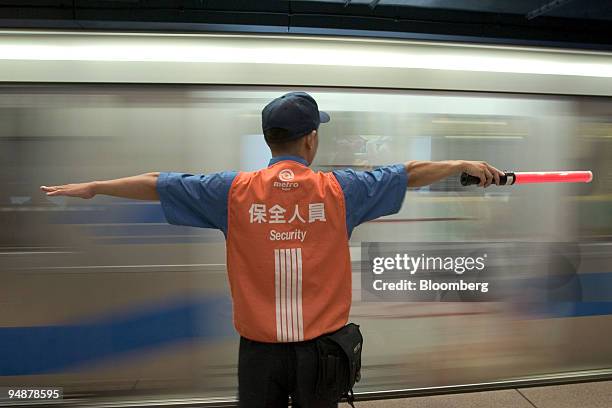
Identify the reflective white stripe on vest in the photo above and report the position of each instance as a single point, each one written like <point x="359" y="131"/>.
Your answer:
<point x="288" y="290"/>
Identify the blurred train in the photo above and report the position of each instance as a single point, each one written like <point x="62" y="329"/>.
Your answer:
<point x="102" y="297"/>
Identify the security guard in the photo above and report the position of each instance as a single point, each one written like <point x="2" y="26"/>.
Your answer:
<point x="287" y="230"/>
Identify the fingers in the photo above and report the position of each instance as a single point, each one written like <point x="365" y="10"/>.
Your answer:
<point x="483" y="178"/>
<point x="476" y="170"/>
<point x="56" y="193"/>
<point x="485" y="172"/>
<point x="82" y="190"/>
<point x="496" y="178"/>
<point x="488" y="176"/>
<point x="52" y="190"/>
<point x="484" y="175"/>
<point x="496" y="173"/>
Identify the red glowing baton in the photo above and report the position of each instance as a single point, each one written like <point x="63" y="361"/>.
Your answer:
<point x="511" y="177"/>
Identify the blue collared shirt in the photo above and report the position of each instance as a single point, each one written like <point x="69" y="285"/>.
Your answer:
<point x="201" y="200"/>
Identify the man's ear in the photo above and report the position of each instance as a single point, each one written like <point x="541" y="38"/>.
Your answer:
<point x="310" y="139"/>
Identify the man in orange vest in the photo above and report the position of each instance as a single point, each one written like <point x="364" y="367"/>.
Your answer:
<point x="287" y="229"/>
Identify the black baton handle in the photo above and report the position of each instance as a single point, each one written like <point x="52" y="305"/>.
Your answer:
<point x="507" y="179"/>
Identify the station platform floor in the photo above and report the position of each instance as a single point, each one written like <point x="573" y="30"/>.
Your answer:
<point x="579" y="395"/>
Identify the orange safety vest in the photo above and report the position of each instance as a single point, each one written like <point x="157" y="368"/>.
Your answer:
<point x="287" y="253"/>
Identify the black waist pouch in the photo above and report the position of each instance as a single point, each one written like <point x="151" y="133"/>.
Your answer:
<point x="339" y="363"/>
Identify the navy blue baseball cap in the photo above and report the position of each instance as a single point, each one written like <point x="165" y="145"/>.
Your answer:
<point x="296" y="112"/>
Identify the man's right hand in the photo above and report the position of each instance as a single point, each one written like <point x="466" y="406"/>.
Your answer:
<point x="483" y="170"/>
<point x="81" y="190"/>
<point x="423" y="173"/>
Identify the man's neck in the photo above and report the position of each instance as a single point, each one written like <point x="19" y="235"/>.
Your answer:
<point x="289" y="154"/>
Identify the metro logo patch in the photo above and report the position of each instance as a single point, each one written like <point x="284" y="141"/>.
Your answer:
<point x="285" y="176"/>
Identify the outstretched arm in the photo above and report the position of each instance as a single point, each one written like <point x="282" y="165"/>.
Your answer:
<point x="141" y="187"/>
<point x="423" y="173"/>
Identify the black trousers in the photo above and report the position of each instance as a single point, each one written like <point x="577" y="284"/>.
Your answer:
<point x="268" y="373"/>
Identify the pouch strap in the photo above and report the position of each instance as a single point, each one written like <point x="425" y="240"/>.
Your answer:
<point x="350" y="398"/>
